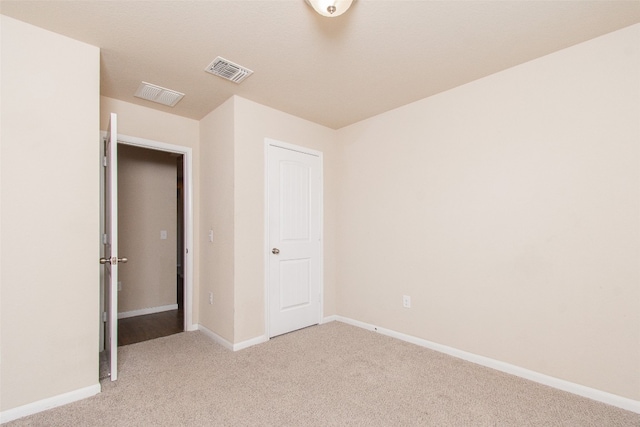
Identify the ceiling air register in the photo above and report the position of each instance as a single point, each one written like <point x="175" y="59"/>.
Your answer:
<point x="228" y="70"/>
<point x="158" y="94"/>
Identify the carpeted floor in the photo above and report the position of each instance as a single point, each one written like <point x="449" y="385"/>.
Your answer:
<point x="328" y="375"/>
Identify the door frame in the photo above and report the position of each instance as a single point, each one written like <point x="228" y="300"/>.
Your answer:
<point x="267" y="249"/>
<point x="187" y="159"/>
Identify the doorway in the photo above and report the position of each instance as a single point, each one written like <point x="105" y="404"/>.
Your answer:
<point x="150" y="226"/>
<point x="185" y="238"/>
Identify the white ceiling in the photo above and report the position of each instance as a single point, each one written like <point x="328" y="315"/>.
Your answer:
<point x="379" y="55"/>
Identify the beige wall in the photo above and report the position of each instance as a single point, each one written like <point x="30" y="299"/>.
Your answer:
<point x="217" y="214"/>
<point x="141" y="122"/>
<point x="49" y="244"/>
<point x="508" y="209"/>
<point x="147" y="204"/>
<point x="253" y="123"/>
<point x="232" y="161"/>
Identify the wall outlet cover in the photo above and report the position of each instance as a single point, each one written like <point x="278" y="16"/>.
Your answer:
<point x="406" y="301"/>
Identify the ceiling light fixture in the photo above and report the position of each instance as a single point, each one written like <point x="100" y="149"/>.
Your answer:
<point x="330" y="8"/>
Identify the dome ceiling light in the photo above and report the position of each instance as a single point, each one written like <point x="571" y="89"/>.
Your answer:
<point x="330" y="8"/>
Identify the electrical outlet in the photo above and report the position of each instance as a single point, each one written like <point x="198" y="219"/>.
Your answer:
<point x="406" y="301"/>
<point x="210" y="297"/>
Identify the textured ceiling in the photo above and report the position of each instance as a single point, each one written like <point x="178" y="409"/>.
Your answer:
<point x="378" y="56"/>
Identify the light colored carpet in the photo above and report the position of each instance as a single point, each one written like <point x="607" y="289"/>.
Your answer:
<point x="327" y="375"/>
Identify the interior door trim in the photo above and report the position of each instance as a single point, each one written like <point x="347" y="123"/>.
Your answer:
<point x="187" y="153"/>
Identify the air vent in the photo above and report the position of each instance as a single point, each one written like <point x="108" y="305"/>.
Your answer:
<point x="228" y="70"/>
<point x="158" y="94"/>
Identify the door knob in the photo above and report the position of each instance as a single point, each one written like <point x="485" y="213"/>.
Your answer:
<point x="275" y="251"/>
<point x="113" y="260"/>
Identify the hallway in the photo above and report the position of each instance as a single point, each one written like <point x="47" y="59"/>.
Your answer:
<point x="132" y="330"/>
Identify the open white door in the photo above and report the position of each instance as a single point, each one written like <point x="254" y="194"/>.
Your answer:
<point x="110" y="241"/>
<point x="295" y="239"/>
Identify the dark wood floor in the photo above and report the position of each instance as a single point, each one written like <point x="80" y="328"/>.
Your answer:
<point x="143" y="328"/>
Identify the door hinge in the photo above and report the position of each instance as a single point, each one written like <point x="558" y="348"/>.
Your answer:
<point x="104" y="316"/>
<point x="104" y="161"/>
<point x="104" y="239"/>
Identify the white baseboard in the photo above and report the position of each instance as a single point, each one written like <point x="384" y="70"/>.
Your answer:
<point x="580" y="390"/>
<point x="248" y="343"/>
<point x="49" y="403"/>
<point x="233" y="347"/>
<point x="331" y="318"/>
<point x="217" y="338"/>
<point x="149" y="310"/>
